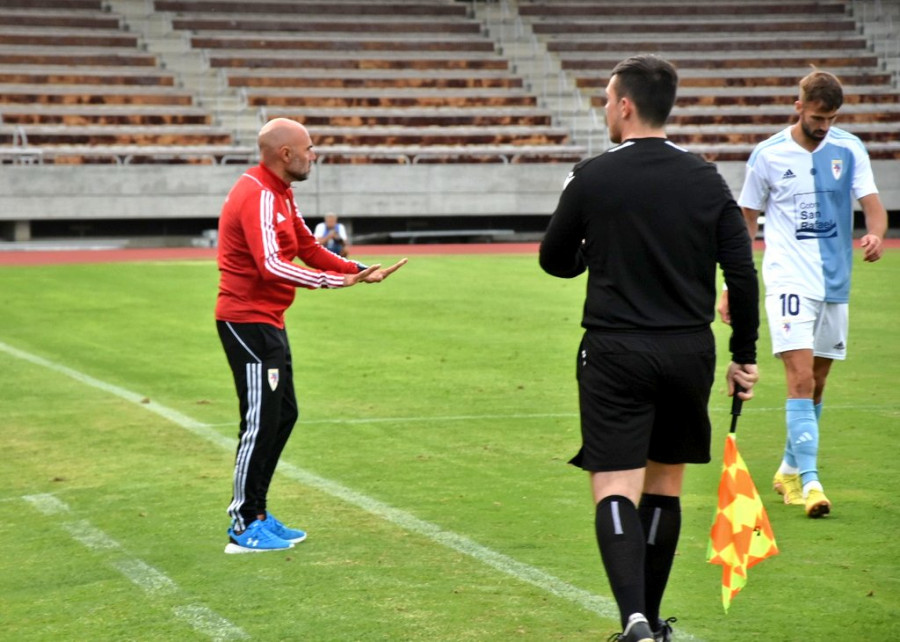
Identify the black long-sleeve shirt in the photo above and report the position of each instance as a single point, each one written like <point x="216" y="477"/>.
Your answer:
<point x="650" y="221"/>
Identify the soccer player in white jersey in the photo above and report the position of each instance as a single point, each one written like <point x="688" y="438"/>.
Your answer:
<point x="805" y="178"/>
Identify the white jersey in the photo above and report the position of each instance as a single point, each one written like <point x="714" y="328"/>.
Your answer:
<point x="808" y="202"/>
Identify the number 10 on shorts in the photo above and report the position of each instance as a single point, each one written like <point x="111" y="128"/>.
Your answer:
<point x="790" y="305"/>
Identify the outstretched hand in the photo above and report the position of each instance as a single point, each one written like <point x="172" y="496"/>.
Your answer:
<point x="373" y="274"/>
<point x="743" y="374"/>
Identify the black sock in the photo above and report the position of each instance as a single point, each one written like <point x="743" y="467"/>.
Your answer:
<point x="621" y="540"/>
<point x="661" y="518"/>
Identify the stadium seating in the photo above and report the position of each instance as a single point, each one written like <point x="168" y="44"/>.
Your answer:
<point x="75" y="86"/>
<point x="739" y="63"/>
<point x="414" y="81"/>
<point x="398" y="81"/>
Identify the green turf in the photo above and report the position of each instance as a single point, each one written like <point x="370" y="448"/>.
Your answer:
<point x="448" y="393"/>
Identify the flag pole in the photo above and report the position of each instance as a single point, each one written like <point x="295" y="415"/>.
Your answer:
<point x="736" y="405"/>
<point x="741" y="535"/>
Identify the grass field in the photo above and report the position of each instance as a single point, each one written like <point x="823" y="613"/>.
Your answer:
<point x="438" y="411"/>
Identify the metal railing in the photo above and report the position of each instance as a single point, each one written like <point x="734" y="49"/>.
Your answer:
<point x="413" y="155"/>
<point x="24" y="154"/>
<point x="21" y="152"/>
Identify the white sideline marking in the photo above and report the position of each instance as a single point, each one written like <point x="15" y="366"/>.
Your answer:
<point x="140" y="573"/>
<point x="47" y="504"/>
<point x="602" y="606"/>
<point x="91" y="537"/>
<point x="145" y="576"/>
<point x="431" y="419"/>
<point x="548" y="415"/>
<point x="379" y="420"/>
<point x="209" y="622"/>
<point x="726" y="404"/>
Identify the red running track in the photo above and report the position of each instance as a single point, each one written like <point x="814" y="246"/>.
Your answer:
<point x="54" y="257"/>
<point x="57" y="257"/>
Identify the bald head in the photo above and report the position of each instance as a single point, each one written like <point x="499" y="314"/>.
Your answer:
<point x="286" y="149"/>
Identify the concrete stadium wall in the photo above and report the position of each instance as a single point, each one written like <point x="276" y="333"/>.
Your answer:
<point x="53" y="192"/>
<point x="168" y="191"/>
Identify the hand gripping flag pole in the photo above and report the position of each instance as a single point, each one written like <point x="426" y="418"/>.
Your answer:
<point x="741" y="535"/>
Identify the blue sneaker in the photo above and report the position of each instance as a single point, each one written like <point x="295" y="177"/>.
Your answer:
<point x="293" y="535"/>
<point x="255" y="539"/>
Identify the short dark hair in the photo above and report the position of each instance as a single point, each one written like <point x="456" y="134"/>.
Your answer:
<point x="822" y="87"/>
<point x="650" y="83"/>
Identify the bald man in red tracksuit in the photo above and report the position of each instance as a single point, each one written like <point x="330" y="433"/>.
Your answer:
<point x="260" y="233"/>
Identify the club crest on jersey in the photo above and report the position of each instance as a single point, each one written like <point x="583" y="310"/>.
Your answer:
<point x="273" y="378"/>
<point x="837" y="166"/>
<point x="786" y="327"/>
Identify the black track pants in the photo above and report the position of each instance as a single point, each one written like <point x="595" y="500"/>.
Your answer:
<point x="260" y="358"/>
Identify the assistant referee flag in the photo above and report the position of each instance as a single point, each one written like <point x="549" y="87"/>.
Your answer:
<point x="741" y="535"/>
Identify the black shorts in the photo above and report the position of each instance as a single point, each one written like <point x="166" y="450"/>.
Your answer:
<point x="644" y="396"/>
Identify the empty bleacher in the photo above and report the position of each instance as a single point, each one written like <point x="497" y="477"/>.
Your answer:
<point x="397" y="81"/>
<point x="76" y="87"/>
<point x="413" y="81"/>
<point x="739" y="63"/>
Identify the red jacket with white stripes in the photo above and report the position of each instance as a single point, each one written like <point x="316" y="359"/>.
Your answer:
<point x="260" y="233"/>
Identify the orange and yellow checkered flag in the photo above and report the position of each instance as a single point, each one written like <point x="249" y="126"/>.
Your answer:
<point x="741" y="535"/>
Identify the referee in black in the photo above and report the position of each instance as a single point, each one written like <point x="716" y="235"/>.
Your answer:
<point x="649" y="222"/>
